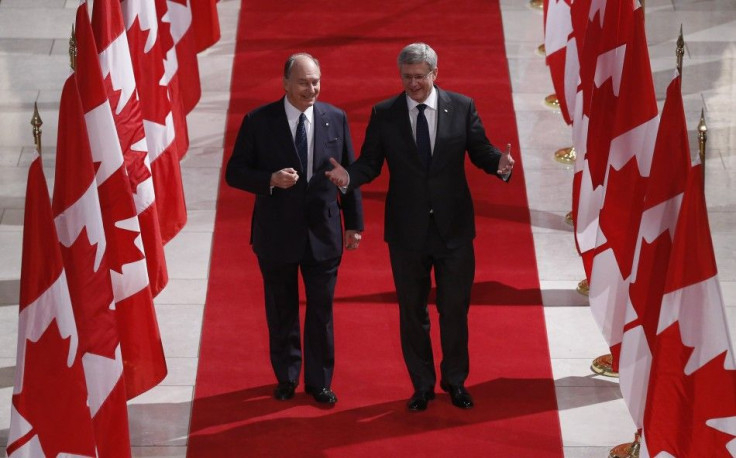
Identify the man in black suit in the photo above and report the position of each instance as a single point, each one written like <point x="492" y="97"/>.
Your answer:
<point x="423" y="135"/>
<point x="280" y="155"/>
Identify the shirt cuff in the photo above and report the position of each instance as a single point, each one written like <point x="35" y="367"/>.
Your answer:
<point x="344" y="189"/>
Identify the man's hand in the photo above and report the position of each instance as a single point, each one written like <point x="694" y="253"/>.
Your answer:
<point x="352" y="239"/>
<point x="506" y="163"/>
<point x="284" y="178"/>
<point x="339" y="176"/>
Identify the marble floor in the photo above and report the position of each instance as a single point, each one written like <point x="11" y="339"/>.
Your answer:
<point x="34" y="63"/>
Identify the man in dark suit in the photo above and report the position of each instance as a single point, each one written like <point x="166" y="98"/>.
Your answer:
<point x="423" y="135"/>
<point x="280" y="155"/>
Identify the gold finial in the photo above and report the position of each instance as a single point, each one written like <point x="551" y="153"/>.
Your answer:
<point x="36" y="122"/>
<point x="73" y="50"/>
<point x="551" y="101"/>
<point x="680" y="51"/>
<point x="702" y="140"/>
<point x="566" y="155"/>
<point x="536" y="4"/>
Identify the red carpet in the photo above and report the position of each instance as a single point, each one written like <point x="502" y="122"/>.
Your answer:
<point x="510" y="377"/>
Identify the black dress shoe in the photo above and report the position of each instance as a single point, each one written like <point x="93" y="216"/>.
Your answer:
<point x="284" y="390"/>
<point x="322" y="395"/>
<point x="419" y="400"/>
<point x="459" y="395"/>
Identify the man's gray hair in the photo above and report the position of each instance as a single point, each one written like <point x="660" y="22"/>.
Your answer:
<point x="292" y="58"/>
<point x="417" y="53"/>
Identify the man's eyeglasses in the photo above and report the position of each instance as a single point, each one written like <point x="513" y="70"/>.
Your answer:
<point x="417" y="78"/>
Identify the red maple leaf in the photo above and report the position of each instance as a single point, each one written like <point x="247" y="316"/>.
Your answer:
<point x="646" y="292"/>
<point x="135" y="165"/>
<point x="149" y="71"/>
<point x="164" y="28"/>
<point x="129" y="126"/>
<point x="91" y="294"/>
<point x="679" y="405"/>
<point x="637" y="101"/>
<point x="54" y="397"/>
<point x="117" y="205"/>
<point x="107" y="22"/>
<point x="601" y="131"/>
<point x="620" y="216"/>
<point x="590" y="38"/>
<point x="128" y="120"/>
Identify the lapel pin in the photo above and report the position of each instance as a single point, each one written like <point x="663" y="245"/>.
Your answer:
<point x="327" y="124"/>
<point x="445" y="110"/>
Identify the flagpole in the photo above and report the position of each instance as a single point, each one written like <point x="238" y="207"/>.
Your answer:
<point x="36" y="122"/>
<point x="73" y="50"/>
<point x="702" y="140"/>
<point x="680" y="51"/>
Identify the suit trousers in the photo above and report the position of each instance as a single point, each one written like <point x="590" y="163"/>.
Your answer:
<point x="454" y="270"/>
<point x="281" y="289"/>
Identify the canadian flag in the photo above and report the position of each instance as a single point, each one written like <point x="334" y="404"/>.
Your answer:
<point x="76" y="208"/>
<point x="144" y="362"/>
<point x="621" y="135"/>
<point x="588" y="21"/>
<point x="577" y="83"/>
<point x="180" y="60"/>
<point x="615" y="124"/>
<point x="49" y="415"/>
<point x="662" y="198"/>
<point x="691" y="401"/>
<point x="141" y="25"/>
<point x="558" y="36"/>
<point x="177" y="15"/>
<point x="205" y="24"/>
<point x="120" y="87"/>
<point x="565" y="29"/>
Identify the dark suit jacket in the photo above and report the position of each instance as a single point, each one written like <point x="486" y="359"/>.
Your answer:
<point x="284" y="218"/>
<point x="413" y="192"/>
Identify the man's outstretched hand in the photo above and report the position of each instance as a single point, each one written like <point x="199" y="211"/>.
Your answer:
<point x="506" y="163"/>
<point x="338" y="175"/>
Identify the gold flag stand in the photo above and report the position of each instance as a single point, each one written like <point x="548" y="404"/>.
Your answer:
<point x="568" y="218"/>
<point x="627" y="450"/>
<point x="603" y="365"/>
<point x="551" y="102"/>
<point x="566" y="155"/>
<point x="536" y="4"/>
<point x="541" y="50"/>
<point x="583" y="287"/>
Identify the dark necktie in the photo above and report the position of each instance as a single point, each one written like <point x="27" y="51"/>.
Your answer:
<point x="300" y="140"/>
<point x="423" y="144"/>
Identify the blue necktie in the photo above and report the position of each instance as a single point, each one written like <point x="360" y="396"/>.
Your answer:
<point x="423" y="143"/>
<point x="300" y="140"/>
